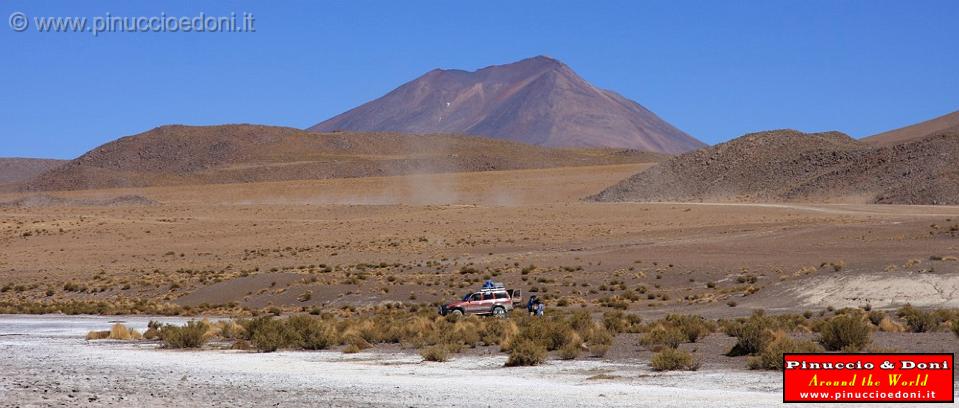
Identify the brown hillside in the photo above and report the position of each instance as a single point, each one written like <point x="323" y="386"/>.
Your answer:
<point x="175" y="155"/>
<point x="539" y="101"/>
<point x="787" y="165"/>
<point x="920" y="130"/>
<point x="15" y="169"/>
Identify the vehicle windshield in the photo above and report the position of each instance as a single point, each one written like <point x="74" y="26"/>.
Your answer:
<point x="467" y="296"/>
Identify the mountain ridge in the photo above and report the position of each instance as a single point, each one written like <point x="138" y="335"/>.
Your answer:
<point x="180" y="155"/>
<point x="944" y="123"/>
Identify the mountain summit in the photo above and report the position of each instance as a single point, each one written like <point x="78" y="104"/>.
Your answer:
<point x="538" y="100"/>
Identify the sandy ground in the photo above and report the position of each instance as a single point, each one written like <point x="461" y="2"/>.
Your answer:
<point x="921" y="290"/>
<point x="267" y="244"/>
<point x="45" y="362"/>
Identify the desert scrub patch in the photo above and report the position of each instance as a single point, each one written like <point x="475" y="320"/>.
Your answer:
<point x="571" y="350"/>
<point x="311" y="333"/>
<point x="771" y="357"/>
<point x="438" y="353"/>
<point x="356" y="344"/>
<point x="692" y="326"/>
<point x="620" y="322"/>
<point x="526" y="352"/>
<point x="552" y="332"/>
<point x="752" y="334"/>
<point x="918" y="321"/>
<point x="600" y="341"/>
<point x="671" y="359"/>
<point x="267" y="334"/>
<point x="662" y="336"/>
<point x="191" y="335"/>
<point x="846" y="332"/>
<point x="498" y="331"/>
<point x="76" y="307"/>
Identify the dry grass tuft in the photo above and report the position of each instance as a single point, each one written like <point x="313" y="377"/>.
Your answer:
<point x="117" y="332"/>
<point x="438" y="353"/>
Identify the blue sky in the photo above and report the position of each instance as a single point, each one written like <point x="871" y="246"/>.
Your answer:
<point x="716" y="69"/>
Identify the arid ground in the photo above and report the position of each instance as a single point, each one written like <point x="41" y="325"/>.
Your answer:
<point x="46" y="362"/>
<point x="322" y="245"/>
<point x="428" y="238"/>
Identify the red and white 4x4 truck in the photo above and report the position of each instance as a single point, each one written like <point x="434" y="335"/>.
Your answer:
<point x="496" y="301"/>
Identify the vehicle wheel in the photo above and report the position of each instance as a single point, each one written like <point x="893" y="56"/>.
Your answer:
<point x="457" y="313"/>
<point x="499" y="312"/>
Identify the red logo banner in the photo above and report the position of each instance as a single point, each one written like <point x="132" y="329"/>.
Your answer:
<point x="851" y="377"/>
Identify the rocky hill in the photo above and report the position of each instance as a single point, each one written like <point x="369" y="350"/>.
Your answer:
<point x="787" y="165"/>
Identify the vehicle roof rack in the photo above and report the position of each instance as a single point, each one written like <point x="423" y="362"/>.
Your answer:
<point x="496" y="286"/>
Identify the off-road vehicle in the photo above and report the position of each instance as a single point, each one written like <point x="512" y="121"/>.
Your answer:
<point x="495" y="301"/>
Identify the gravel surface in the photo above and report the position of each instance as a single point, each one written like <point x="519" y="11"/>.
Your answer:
<point x="45" y="362"/>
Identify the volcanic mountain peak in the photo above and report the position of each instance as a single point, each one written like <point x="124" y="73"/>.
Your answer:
<point x="537" y="100"/>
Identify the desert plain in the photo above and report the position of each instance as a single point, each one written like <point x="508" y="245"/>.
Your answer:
<point x="299" y="246"/>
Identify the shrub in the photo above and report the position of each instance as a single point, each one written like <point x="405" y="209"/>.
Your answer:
<point x="663" y="336"/>
<point x="571" y="351"/>
<point x="674" y="359"/>
<point x="845" y="332"/>
<point x="153" y="330"/>
<point x="771" y="357"/>
<point x="498" y="332"/>
<point x="356" y="344"/>
<point x="435" y="353"/>
<point x="955" y="327"/>
<point x="888" y="325"/>
<point x="526" y="352"/>
<point x="620" y="322"/>
<point x="752" y="334"/>
<point x="918" y="321"/>
<point x="599" y="342"/>
<point x="240" y="345"/>
<point x="553" y="333"/>
<point x="227" y="329"/>
<point x="271" y="335"/>
<point x="692" y="326"/>
<point x="193" y="335"/>
<point x="311" y="333"/>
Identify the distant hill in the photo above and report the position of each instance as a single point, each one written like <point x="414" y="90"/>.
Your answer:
<point x="538" y="101"/>
<point x="15" y="169"/>
<point x="176" y="155"/>
<point x="787" y="165"/>
<point x="920" y="130"/>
